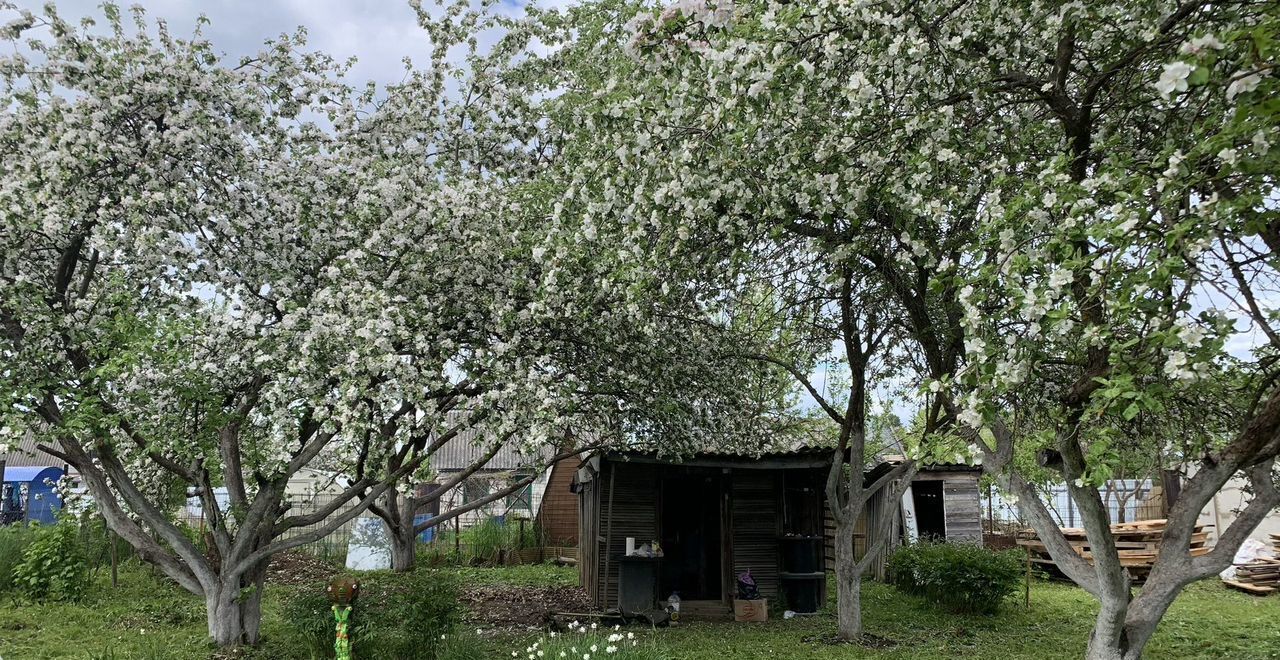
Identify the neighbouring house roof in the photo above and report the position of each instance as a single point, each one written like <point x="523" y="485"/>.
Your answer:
<point x="471" y="444"/>
<point x="888" y="462"/>
<point x="25" y="454"/>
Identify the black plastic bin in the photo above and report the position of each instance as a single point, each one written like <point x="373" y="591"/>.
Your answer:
<point x="637" y="584"/>
<point x="803" y="591"/>
<point x="802" y="554"/>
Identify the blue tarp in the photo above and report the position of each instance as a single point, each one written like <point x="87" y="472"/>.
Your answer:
<point x="426" y="535"/>
<point x="42" y="502"/>
<point x="30" y="473"/>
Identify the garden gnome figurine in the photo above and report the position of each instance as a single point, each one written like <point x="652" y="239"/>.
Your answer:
<point x="343" y="591"/>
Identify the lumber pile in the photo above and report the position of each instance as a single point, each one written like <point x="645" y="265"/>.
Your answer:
<point x="1260" y="576"/>
<point x="1137" y="544"/>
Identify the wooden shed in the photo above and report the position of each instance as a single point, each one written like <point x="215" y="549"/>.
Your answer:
<point x="715" y="516"/>
<point x="943" y="503"/>
<point x="558" y="514"/>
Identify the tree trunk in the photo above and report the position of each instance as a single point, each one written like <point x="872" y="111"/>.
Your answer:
<point x="234" y="612"/>
<point x="1110" y="637"/>
<point x="848" y="585"/>
<point x="226" y="620"/>
<point x="404" y="549"/>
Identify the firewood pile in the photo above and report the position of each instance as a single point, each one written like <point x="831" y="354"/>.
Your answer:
<point x="1260" y="576"/>
<point x="1137" y="543"/>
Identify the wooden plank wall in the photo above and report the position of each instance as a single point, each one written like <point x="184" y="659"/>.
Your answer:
<point x="635" y="513"/>
<point x="558" y="515"/>
<point x="963" y="504"/>
<point x="756" y="522"/>
<point x="829" y="534"/>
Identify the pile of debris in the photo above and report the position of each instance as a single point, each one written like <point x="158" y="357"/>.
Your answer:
<point x="1259" y="575"/>
<point x="1137" y="543"/>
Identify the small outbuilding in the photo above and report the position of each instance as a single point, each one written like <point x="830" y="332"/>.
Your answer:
<point x="28" y="494"/>
<point x="943" y="503"/>
<point x="714" y="516"/>
<point x="717" y="515"/>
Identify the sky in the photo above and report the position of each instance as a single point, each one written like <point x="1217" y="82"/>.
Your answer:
<point x="379" y="33"/>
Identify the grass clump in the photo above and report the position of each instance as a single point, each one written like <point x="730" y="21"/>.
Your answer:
<point x="590" y="641"/>
<point x="14" y="540"/>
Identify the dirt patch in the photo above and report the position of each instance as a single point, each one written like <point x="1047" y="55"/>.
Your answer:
<point x="516" y="608"/>
<point x="295" y="567"/>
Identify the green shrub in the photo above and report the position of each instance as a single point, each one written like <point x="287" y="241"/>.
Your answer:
<point x="398" y="615"/>
<point x="959" y="576"/>
<point x="307" y="612"/>
<point x="14" y="540"/>
<point x="53" y="566"/>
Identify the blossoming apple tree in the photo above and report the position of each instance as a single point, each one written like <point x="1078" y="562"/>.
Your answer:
<point x="213" y="275"/>
<point x="1071" y="206"/>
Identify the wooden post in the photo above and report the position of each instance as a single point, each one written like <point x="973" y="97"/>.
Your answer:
<point x="115" y="574"/>
<point x="991" y="512"/>
<point x="1027" y="590"/>
<point x="608" y="533"/>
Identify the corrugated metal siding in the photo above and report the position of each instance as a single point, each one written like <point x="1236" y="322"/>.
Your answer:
<point x="755" y="520"/>
<point x="634" y="512"/>
<point x="25" y="454"/>
<point x="474" y="442"/>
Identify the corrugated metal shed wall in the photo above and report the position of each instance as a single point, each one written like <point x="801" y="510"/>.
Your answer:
<point x="756" y="525"/>
<point x="628" y="496"/>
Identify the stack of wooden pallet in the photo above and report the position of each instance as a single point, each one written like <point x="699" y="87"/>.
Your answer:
<point x="1260" y="576"/>
<point x="1137" y="544"/>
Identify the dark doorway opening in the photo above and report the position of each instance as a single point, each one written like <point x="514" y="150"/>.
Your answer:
<point x="691" y="537"/>
<point x="931" y="516"/>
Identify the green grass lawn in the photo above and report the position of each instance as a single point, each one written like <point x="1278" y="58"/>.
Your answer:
<point x="148" y="618"/>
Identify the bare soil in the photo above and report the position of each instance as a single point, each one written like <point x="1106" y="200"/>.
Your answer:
<point x="295" y="567"/>
<point x="518" y="608"/>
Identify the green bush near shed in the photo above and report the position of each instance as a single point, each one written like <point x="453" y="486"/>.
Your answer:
<point x="961" y="577"/>
<point x="397" y="615"/>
